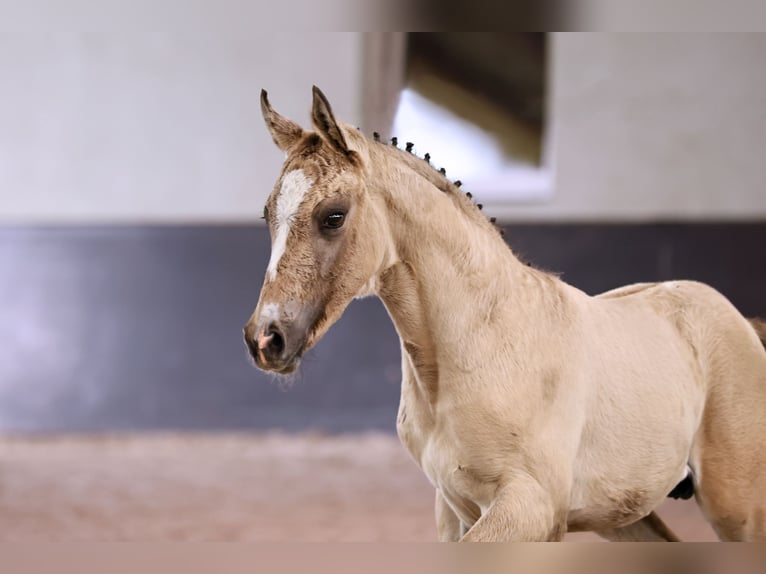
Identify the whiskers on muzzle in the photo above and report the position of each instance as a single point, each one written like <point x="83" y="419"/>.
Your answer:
<point x="272" y="349"/>
<point x="285" y="379"/>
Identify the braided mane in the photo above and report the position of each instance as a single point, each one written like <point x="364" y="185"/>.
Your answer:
<point x="438" y="177"/>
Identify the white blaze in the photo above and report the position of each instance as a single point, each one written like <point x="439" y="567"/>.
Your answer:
<point x="295" y="184"/>
<point x="270" y="312"/>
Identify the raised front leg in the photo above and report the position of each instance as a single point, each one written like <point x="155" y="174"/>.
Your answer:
<point x="448" y="525"/>
<point x="522" y="512"/>
<point x="649" y="529"/>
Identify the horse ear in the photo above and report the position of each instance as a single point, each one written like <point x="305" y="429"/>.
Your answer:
<point x="284" y="132"/>
<point x="325" y="122"/>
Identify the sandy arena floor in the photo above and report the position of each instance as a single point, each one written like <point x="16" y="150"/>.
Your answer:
<point x="268" y="487"/>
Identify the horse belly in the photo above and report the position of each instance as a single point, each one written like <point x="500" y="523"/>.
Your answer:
<point x="605" y="502"/>
<point x="635" y="450"/>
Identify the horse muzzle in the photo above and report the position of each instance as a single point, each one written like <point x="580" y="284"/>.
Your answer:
<point x="276" y="343"/>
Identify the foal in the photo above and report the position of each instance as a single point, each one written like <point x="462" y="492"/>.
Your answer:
<point x="532" y="407"/>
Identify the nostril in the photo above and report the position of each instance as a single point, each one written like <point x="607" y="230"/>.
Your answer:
<point x="252" y="345"/>
<point x="276" y="344"/>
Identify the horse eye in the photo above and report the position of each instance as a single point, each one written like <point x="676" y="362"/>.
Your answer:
<point x="334" y="220"/>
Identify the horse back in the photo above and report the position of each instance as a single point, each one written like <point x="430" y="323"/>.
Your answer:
<point x="719" y="339"/>
<point x="700" y="313"/>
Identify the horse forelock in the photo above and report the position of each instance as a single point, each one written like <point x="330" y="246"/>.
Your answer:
<point x="316" y="157"/>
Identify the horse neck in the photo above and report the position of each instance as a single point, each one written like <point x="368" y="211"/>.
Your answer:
<point x="451" y="277"/>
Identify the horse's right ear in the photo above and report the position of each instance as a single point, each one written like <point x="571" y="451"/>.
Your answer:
<point x="285" y="133"/>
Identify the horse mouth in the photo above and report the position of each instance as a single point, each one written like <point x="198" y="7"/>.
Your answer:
<point x="288" y="366"/>
<point x="283" y="366"/>
<point x="279" y="347"/>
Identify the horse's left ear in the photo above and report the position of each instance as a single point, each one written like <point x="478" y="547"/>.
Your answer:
<point x="325" y="122"/>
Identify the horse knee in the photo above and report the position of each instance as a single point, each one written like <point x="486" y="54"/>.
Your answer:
<point x="522" y="512"/>
<point x="520" y="530"/>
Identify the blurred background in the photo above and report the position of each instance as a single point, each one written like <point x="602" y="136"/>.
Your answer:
<point x="134" y="166"/>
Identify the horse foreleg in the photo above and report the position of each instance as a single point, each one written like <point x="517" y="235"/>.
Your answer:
<point x="522" y="512"/>
<point x="448" y="525"/>
<point x="649" y="529"/>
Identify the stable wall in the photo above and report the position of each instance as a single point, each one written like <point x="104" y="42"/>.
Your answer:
<point x="656" y="127"/>
<point x="148" y="111"/>
<point x="142" y="114"/>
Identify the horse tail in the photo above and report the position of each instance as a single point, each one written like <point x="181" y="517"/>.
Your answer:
<point x="760" y="327"/>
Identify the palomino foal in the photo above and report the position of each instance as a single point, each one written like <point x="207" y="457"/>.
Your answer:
<point x="532" y="407"/>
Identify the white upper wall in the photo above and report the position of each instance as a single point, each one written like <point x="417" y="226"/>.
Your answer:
<point x="149" y="112"/>
<point x="656" y="126"/>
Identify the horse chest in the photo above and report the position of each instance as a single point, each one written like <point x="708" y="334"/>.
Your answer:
<point x="444" y="462"/>
<point x="414" y="428"/>
<point x="466" y="488"/>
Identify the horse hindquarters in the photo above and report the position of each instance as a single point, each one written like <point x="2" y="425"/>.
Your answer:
<point x="729" y="447"/>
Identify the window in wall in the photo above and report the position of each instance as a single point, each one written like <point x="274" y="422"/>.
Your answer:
<point x="476" y="102"/>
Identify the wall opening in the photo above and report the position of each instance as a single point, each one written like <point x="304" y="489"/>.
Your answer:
<point x="476" y="102"/>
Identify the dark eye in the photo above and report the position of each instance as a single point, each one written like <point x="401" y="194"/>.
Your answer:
<point x="334" y="220"/>
<point x="265" y="213"/>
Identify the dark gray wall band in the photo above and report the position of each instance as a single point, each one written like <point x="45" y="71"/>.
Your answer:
<point x="139" y="328"/>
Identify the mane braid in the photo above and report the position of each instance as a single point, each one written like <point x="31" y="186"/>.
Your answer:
<point x="436" y="177"/>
